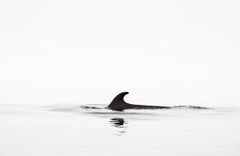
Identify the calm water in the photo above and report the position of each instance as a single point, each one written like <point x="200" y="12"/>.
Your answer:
<point x="62" y="130"/>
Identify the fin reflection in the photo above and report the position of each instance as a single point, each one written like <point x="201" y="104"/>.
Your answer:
<point x="119" y="123"/>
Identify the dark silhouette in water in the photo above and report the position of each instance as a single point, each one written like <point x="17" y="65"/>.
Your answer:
<point x="118" y="104"/>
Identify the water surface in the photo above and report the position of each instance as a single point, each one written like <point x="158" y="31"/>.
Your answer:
<point x="73" y="131"/>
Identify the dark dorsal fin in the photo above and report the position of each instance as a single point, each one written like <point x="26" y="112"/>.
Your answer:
<point x="118" y="102"/>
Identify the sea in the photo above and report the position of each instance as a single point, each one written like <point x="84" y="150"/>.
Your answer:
<point x="72" y="130"/>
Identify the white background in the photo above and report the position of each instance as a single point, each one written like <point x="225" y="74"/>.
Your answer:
<point x="162" y="52"/>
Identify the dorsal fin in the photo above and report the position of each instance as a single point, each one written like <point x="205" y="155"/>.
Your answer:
<point x="118" y="102"/>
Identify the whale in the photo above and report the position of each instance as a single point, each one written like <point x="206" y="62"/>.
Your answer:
<point x="118" y="104"/>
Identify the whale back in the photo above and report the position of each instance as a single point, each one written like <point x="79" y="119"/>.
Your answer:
<point x="118" y="102"/>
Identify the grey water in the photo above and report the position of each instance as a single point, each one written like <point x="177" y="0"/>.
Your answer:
<point x="71" y="130"/>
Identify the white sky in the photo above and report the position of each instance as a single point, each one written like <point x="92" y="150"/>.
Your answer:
<point x="162" y="52"/>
